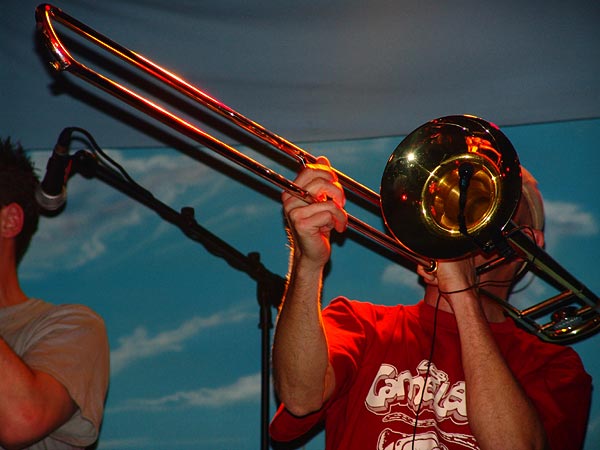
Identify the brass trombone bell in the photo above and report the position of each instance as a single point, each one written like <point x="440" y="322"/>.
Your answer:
<point x="420" y="186"/>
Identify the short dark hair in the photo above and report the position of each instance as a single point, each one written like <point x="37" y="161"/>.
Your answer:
<point x="18" y="183"/>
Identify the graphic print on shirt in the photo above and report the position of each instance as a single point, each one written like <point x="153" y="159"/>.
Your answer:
<point x="396" y="396"/>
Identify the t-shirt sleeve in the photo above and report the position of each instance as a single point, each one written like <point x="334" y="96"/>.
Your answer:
<point x="347" y="326"/>
<point x="345" y="338"/>
<point x="71" y="345"/>
<point x="562" y="395"/>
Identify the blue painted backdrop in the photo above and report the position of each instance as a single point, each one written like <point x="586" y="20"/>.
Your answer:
<point x="183" y="324"/>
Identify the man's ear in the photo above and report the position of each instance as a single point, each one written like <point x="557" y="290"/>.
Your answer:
<point x="11" y="220"/>
<point x="539" y="238"/>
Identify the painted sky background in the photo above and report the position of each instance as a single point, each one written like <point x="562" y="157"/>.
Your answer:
<point x="183" y="324"/>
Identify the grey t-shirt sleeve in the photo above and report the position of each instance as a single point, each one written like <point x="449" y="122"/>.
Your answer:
<point x="71" y="345"/>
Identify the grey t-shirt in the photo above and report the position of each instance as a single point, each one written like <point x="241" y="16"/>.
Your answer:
<point x="68" y="342"/>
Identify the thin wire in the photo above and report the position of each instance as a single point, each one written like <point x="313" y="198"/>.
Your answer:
<point x="103" y="158"/>
<point x="437" y="304"/>
<point x="433" y="338"/>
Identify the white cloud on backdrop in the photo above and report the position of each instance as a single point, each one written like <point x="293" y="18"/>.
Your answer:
<point x="395" y="274"/>
<point x="245" y="388"/>
<point x="565" y="219"/>
<point x="151" y="442"/>
<point x="141" y="344"/>
<point x="135" y="443"/>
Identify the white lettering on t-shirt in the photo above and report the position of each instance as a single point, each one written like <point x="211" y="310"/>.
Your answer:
<point x="391" y="388"/>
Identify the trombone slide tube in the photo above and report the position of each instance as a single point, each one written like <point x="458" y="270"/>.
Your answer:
<point x="65" y="62"/>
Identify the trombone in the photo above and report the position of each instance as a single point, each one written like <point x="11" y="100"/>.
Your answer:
<point x="421" y="198"/>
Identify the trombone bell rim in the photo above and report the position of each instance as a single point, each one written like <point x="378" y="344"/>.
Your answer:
<point x="420" y="194"/>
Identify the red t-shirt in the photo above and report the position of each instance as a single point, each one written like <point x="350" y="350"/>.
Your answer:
<point x="380" y="355"/>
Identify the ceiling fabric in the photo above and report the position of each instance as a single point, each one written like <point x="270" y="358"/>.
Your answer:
<point x="319" y="70"/>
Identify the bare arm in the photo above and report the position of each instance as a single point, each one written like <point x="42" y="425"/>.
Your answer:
<point x="33" y="403"/>
<point x="500" y="413"/>
<point x="303" y="376"/>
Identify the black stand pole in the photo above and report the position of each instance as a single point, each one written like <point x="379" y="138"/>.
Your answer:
<point x="270" y="287"/>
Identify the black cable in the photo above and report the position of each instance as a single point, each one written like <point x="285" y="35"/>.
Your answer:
<point x="433" y="338"/>
<point x="435" y="314"/>
<point x="107" y="160"/>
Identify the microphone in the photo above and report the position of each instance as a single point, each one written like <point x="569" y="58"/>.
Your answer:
<point x="51" y="194"/>
<point x="465" y="172"/>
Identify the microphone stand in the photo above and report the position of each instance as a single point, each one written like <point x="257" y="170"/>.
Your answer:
<point x="270" y="287"/>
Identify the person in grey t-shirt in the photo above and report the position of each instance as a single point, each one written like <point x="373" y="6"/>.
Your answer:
<point x="54" y="359"/>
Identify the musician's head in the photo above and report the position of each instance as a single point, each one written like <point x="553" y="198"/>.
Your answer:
<point x="18" y="183"/>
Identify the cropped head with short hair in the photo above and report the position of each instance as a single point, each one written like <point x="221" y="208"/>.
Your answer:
<point x="18" y="183"/>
